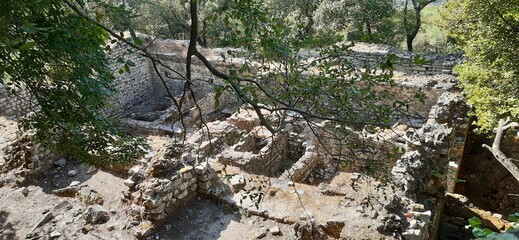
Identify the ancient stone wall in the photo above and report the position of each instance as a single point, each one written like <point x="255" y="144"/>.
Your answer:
<point x="434" y="147"/>
<point x="15" y="105"/>
<point x="132" y="88"/>
<point x="404" y="62"/>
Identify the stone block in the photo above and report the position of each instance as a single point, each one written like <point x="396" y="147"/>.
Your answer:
<point x="184" y="186"/>
<point x="182" y="195"/>
<point x="152" y="203"/>
<point x="159" y="209"/>
<point x="204" y="185"/>
<point x="187" y="176"/>
<point x="185" y="170"/>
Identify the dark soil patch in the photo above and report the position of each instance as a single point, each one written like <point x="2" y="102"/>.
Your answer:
<point x="487" y="184"/>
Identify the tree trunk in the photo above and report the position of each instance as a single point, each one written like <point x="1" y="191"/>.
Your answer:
<point x="412" y="31"/>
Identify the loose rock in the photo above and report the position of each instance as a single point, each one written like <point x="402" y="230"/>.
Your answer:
<point x="275" y="231"/>
<point x="96" y="214"/>
<point x="60" y="163"/>
<point x="72" y="173"/>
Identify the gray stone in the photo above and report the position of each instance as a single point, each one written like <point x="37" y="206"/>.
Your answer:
<point x="187" y="176"/>
<point x="87" y="228"/>
<point x="91" y="170"/>
<point x="260" y="234"/>
<point x="423" y="216"/>
<point x="96" y="214"/>
<point x="159" y="209"/>
<point x="200" y="169"/>
<point x="204" y="185"/>
<point x="152" y="203"/>
<point x="60" y="162"/>
<point x="333" y="227"/>
<point x="169" y="186"/>
<point x="417" y="207"/>
<point x="137" y="169"/>
<point x="129" y="183"/>
<point x="89" y="196"/>
<point x="45" y="219"/>
<point x="25" y="191"/>
<point x="237" y="182"/>
<point x="74" y="184"/>
<point x="168" y="197"/>
<point x="55" y="234"/>
<point x="275" y="231"/>
<point x="143" y="230"/>
<point x="72" y="173"/>
<point x="66" y="192"/>
<point x="184" y="186"/>
<point x="182" y="195"/>
<point x="413" y="234"/>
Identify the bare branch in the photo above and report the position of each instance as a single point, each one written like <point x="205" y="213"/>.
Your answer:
<point x="496" y="148"/>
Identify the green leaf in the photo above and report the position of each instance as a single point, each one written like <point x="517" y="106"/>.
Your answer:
<point x="26" y="46"/>
<point x="512" y="218"/>
<point x="126" y="68"/>
<point x="487" y="232"/>
<point x="475" y="222"/>
<point x="478" y="232"/>
<point x="136" y="39"/>
<point x="28" y="29"/>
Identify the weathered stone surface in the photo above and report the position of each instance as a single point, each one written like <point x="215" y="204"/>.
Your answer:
<point x="72" y="173"/>
<point x="237" y="182"/>
<point x="60" y="162"/>
<point x="152" y="203"/>
<point x="96" y="214"/>
<point x="89" y="196"/>
<point x="66" y="192"/>
<point x="25" y="191"/>
<point x="129" y="183"/>
<point x="143" y="230"/>
<point x="185" y="170"/>
<point x="333" y="228"/>
<point x="275" y="231"/>
<point x="55" y="234"/>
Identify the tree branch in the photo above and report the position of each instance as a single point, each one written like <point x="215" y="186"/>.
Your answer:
<point x="496" y="147"/>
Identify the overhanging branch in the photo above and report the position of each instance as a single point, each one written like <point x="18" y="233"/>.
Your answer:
<point x="496" y="147"/>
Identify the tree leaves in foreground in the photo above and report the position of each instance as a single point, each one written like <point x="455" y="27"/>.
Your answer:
<point x="488" y="31"/>
<point x="58" y="57"/>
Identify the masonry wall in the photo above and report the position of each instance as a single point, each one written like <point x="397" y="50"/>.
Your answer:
<point x="14" y="105"/>
<point x="132" y="88"/>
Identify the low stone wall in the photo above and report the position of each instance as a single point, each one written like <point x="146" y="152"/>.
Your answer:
<point x="405" y="62"/>
<point x="300" y="170"/>
<point x="268" y="159"/>
<point x="152" y="199"/>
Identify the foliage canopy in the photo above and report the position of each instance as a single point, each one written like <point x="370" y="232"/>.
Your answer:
<point x="487" y="31"/>
<point x="58" y="57"/>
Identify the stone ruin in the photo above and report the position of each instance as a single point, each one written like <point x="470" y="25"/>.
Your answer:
<point x="235" y="160"/>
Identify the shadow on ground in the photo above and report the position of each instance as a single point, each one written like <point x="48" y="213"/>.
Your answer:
<point x="203" y="219"/>
<point x="7" y="231"/>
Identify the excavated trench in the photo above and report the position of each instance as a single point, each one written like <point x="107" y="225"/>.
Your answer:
<point x="485" y="189"/>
